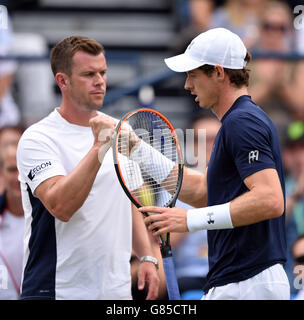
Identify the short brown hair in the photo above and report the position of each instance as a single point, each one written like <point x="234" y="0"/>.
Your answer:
<point x="238" y="78"/>
<point x="62" y="54"/>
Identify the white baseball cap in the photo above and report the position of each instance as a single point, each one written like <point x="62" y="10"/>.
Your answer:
<point x="217" y="46"/>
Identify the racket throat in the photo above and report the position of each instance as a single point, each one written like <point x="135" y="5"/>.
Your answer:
<point x="166" y="251"/>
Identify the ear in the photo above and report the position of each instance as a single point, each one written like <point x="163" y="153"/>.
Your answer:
<point x="62" y="80"/>
<point x="220" y="72"/>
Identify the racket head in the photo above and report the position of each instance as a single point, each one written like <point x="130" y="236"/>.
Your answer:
<point x="139" y="185"/>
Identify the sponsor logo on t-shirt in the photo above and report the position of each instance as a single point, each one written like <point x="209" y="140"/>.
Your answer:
<point x="38" y="169"/>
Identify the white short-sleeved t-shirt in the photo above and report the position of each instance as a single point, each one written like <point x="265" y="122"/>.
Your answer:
<point x="88" y="256"/>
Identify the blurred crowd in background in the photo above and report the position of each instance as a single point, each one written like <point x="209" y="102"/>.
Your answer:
<point x="273" y="32"/>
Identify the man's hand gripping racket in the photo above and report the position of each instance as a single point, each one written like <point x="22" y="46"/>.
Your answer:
<point x="149" y="166"/>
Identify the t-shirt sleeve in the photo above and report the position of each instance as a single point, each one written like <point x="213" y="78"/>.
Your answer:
<point x="37" y="160"/>
<point x="249" y="142"/>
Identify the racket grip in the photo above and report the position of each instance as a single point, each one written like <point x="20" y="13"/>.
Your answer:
<point x="172" y="286"/>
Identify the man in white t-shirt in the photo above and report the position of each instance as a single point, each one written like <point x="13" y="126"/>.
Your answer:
<point x="79" y="223"/>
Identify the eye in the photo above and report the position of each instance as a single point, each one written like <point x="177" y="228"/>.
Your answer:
<point x="89" y="74"/>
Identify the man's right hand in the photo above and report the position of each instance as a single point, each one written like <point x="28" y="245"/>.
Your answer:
<point x="103" y="127"/>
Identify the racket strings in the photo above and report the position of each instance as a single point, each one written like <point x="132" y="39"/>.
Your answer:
<point x="169" y="148"/>
<point x="148" y="180"/>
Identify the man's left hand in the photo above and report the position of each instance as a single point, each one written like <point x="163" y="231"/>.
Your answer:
<point x="168" y="220"/>
<point x="147" y="273"/>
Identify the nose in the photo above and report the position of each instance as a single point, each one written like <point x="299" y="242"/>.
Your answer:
<point x="99" y="79"/>
<point x="188" y="84"/>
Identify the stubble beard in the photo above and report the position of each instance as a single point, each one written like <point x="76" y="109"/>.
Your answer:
<point x="86" y="104"/>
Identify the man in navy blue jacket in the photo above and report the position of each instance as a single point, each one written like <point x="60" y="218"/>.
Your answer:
<point x="240" y="199"/>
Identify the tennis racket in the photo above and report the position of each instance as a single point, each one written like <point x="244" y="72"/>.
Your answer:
<point x="149" y="166"/>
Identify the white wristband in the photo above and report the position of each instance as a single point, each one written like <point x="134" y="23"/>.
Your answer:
<point x="214" y="217"/>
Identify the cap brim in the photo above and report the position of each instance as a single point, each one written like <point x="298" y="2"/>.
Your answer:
<point x="182" y="63"/>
